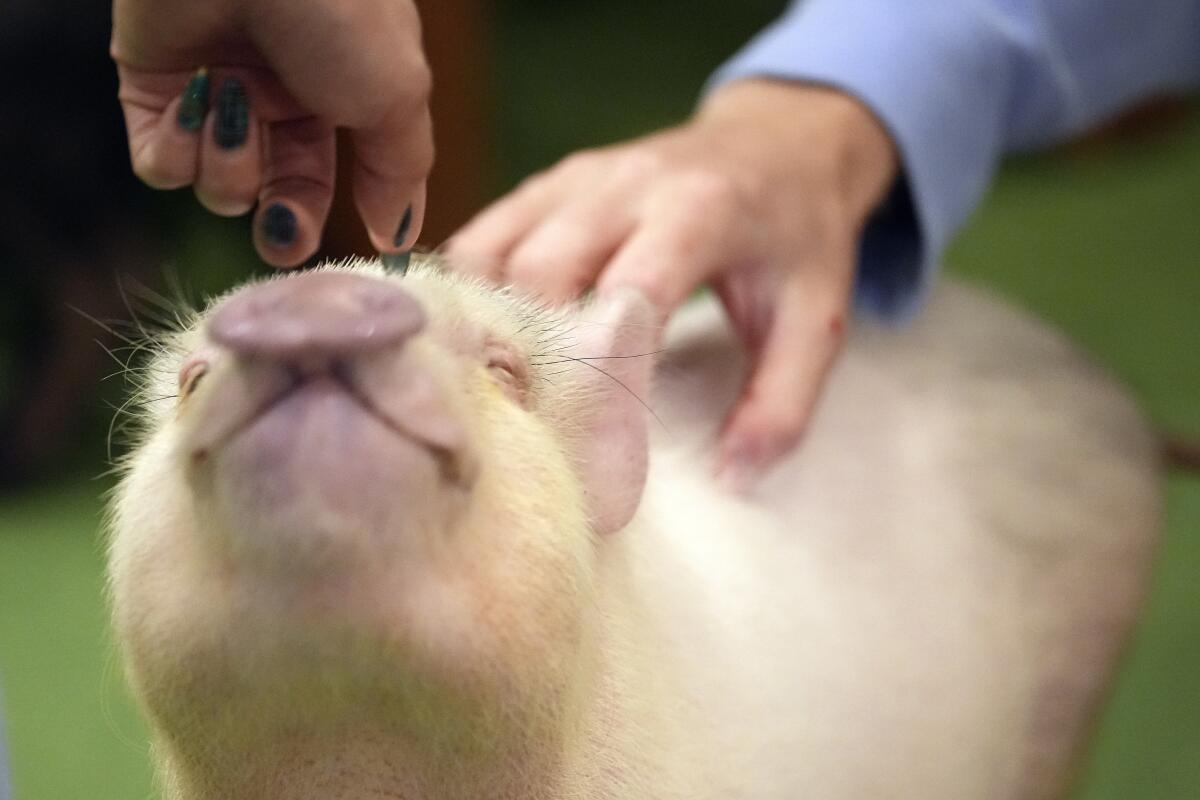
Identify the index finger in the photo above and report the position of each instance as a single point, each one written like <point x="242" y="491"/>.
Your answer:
<point x="683" y="239"/>
<point x="162" y="150"/>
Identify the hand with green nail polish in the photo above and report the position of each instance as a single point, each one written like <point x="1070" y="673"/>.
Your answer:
<point x="241" y="100"/>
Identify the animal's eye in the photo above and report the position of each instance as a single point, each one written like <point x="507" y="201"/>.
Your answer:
<point x="503" y="370"/>
<point x="190" y="375"/>
<point x="506" y="369"/>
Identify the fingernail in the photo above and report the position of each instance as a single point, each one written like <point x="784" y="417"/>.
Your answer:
<point x="278" y="225"/>
<point x="405" y="224"/>
<point x="194" y="104"/>
<point x="397" y="262"/>
<point x="233" y="115"/>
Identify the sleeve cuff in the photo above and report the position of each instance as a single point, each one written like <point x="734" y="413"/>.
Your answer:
<point x="937" y="81"/>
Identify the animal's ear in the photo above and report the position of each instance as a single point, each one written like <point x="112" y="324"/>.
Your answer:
<point x="615" y="339"/>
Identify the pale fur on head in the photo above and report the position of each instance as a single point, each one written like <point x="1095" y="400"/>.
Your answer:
<point x="479" y="671"/>
<point x="929" y="595"/>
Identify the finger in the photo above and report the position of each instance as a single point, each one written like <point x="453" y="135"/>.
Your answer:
<point x="230" y="171"/>
<point x="683" y="239"/>
<point x="399" y="260"/>
<point x="164" y="134"/>
<point x="562" y="256"/>
<point x="391" y="164"/>
<point x="297" y="190"/>
<point x="788" y="373"/>
<point x="483" y="245"/>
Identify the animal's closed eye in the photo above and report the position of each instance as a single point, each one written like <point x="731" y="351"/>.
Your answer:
<point x="507" y="370"/>
<point x="193" y="370"/>
<point x="508" y="378"/>
<point x="503" y="370"/>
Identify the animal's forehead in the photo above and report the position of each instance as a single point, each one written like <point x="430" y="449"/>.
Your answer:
<point x="462" y="305"/>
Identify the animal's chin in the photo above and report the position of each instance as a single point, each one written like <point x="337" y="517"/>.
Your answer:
<point x="317" y="478"/>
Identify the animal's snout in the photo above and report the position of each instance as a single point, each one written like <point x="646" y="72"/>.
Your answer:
<point x="317" y="315"/>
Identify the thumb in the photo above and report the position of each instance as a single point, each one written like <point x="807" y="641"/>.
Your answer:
<point x="787" y="374"/>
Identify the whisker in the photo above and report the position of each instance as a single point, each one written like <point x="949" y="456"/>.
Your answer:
<point x="621" y="383"/>
<point x="592" y="358"/>
<point x="107" y="327"/>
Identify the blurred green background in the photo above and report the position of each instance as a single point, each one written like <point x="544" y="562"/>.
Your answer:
<point x="1103" y="238"/>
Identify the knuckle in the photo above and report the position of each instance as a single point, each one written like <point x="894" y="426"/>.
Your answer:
<point x="225" y="198"/>
<point x="386" y="99"/>
<point x="791" y="427"/>
<point x="658" y="291"/>
<point x="417" y="88"/>
<point x="835" y="328"/>
<point x="527" y="263"/>
<point x="559" y="278"/>
<point x="561" y="287"/>
<point x="480" y="240"/>
<point x="581" y="162"/>
<point x="784" y="423"/>
<point x="160" y="173"/>
<point x="422" y="159"/>
<point x="148" y="175"/>
<point x="224" y="206"/>
<point x="530" y="276"/>
<point x="707" y="192"/>
<point x="638" y="163"/>
<point x="829" y="321"/>
<point x="537" y="185"/>
<point x="467" y="262"/>
<point x="656" y="286"/>
<point x="565" y="236"/>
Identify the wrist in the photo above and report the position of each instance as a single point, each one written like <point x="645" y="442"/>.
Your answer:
<point x="802" y="122"/>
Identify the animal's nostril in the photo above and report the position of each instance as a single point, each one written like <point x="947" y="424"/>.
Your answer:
<point x="316" y="314"/>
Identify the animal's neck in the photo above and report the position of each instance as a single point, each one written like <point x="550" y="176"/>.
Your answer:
<point x="365" y="768"/>
<point x="567" y="748"/>
<point x="572" y="762"/>
<point x="571" y="758"/>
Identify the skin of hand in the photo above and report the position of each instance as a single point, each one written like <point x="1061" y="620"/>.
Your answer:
<point x="763" y="194"/>
<point x="258" y="123"/>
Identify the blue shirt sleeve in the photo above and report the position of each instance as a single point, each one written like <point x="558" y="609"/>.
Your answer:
<point x="958" y="83"/>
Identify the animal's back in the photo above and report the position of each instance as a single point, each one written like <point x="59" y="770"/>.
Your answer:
<point x="929" y="599"/>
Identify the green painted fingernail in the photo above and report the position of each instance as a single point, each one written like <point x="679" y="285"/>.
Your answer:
<point x="233" y="115"/>
<point x="279" y="225"/>
<point x="194" y="104"/>
<point x="397" y="262"/>
<point x="405" y="224"/>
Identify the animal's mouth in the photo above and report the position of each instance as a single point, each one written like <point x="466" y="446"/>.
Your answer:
<point x="329" y="396"/>
<point x="337" y="377"/>
<point x="296" y="382"/>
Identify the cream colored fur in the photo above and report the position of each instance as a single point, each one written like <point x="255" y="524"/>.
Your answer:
<point x="926" y="601"/>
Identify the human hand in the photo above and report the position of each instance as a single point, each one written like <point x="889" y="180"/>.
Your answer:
<point x="764" y="193"/>
<point x="283" y="74"/>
